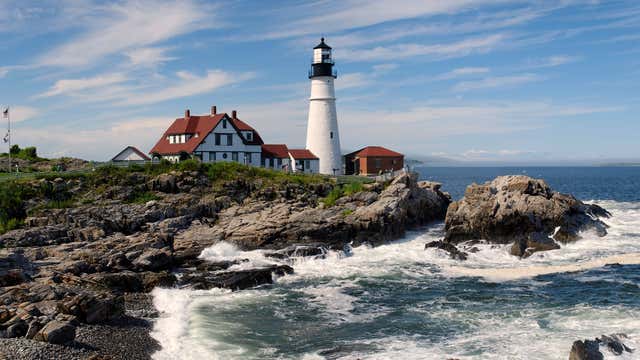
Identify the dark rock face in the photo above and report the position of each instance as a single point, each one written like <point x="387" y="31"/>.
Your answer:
<point x="57" y="332"/>
<point x="453" y="251"/>
<point x="236" y="280"/>
<point x="592" y="349"/>
<point x="533" y="243"/>
<point x="520" y="209"/>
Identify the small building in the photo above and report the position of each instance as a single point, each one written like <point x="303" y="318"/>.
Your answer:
<point x="210" y="138"/>
<point x="373" y="160"/>
<point x="304" y="161"/>
<point x="275" y="156"/>
<point x="130" y="154"/>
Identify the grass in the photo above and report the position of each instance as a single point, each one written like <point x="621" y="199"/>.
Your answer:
<point x="143" y="198"/>
<point x="347" y="212"/>
<point x="342" y="190"/>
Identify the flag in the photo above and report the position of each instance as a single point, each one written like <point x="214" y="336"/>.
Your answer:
<point x="6" y="138"/>
<point x="5" y="113"/>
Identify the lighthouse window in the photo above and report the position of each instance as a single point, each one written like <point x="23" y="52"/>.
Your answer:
<point x="331" y="134"/>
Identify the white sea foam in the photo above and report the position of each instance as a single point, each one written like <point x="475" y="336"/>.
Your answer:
<point x="328" y="286"/>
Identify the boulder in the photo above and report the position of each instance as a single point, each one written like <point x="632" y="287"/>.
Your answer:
<point x="236" y="280"/>
<point x="57" y="332"/>
<point x="592" y="349"/>
<point x="534" y="242"/>
<point x="154" y="260"/>
<point x="453" y="251"/>
<point x="515" y="208"/>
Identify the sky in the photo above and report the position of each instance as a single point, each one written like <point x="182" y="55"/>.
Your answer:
<point x="456" y="81"/>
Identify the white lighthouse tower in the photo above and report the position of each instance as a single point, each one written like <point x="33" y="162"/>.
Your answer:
<point x="323" y="136"/>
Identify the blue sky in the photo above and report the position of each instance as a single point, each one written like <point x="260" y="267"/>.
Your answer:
<point x="462" y="80"/>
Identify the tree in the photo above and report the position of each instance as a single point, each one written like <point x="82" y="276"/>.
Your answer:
<point x="31" y="152"/>
<point x="15" y="150"/>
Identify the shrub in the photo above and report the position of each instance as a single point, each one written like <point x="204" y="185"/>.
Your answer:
<point x="353" y="188"/>
<point x="12" y="210"/>
<point x="334" y="195"/>
<point x="14" y="150"/>
<point x="143" y="197"/>
<point x="189" y="165"/>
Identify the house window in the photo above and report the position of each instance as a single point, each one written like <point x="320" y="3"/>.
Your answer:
<point x="224" y="155"/>
<point x="262" y="162"/>
<point x="218" y="139"/>
<point x="331" y="134"/>
<point x="279" y="163"/>
<point x="234" y="156"/>
<point x="307" y="164"/>
<point x="249" y="135"/>
<point x="224" y="123"/>
<point x="230" y="139"/>
<point x="378" y="163"/>
<point x="247" y="158"/>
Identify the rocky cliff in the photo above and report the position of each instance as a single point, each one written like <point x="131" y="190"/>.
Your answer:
<point x="91" y="241"/>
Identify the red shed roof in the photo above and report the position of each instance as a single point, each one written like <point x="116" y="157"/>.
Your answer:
<point x="377" y="151"/>
<point x="302" y="154"/>
<point x="200" y="126"/>
<point x="275" y="150"/>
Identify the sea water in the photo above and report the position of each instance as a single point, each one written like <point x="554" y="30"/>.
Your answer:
<point x="400" y="301"/>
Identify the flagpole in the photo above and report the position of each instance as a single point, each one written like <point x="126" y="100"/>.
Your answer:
<point x="9" y="136"/>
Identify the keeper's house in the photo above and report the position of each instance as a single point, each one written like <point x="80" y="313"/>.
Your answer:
<point x="210" y="138"/>
<point x="220" y="137"/>
<point x="373" y="160"/>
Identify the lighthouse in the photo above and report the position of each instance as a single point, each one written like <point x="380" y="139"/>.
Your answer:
<point x="323" y="136"/>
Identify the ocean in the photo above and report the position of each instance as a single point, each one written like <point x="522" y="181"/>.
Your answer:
<point x="399" y="301"/>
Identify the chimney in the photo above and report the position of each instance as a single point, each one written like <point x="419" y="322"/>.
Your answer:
<point x="187" y="114"/>
<point x="234" y="114"/>
<point x="214" y="110"/>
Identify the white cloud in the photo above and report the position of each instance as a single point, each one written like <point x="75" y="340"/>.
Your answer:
<point x="121" y="90"/>
<point x="97" y="144"/>
<point x="552" y="61"/>
<point x="353" y="80"/>
<point x="495" y="82"/>
<point x="462" y="72"/>
<point x="436" y="51"/>
<point x="188" y="84"/>
<point x="383" y="68"/>
<point x="317" y="17"/>
<point x="149" y="57"/>
<point x="73" y="86"/>
<point x="21" y="113"/>
<point x="127" y="26"/>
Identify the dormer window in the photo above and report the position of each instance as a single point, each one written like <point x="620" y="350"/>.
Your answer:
<point x="249" y="135"/>
<point x="224" y="123"/>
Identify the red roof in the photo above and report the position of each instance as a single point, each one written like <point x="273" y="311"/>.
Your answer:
<point x="135" y="150"/>
<point x="201" y="126"/>
<point x="302" y="154"/>
<point x="376" y="151"/>
<point x="279" y="151"/>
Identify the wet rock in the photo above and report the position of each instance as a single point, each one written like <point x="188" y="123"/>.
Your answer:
<point x="533" y="243"/>
<point x="237" y="280"/>
<point x="453" y="251"/>
<point x="57" y="332"/>
<point x="311" y="250"/>
<point x="511" y="208"/>
<point x="592" y="349"/>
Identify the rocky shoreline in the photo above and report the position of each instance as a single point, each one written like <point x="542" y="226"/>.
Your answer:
<point x="75" y="279"/>
<point x="70" y="276"/>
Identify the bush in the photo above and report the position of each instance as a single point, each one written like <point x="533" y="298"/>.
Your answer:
<point x="334" y="195"/>
<point x="353" y="188"/>
<point x="189" y="165"/>
<point x="14" y="150"/>
<point x="30" y="152"/>
<point x="12" y="210"/>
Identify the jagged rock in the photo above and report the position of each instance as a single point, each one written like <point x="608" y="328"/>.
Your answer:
<point x="453" y="251"/>
<point x="57" y="332"/>
<point x="166" y="183"/>
<point x="510" y="208"/>
<point x="585" y="350"/>
<point x="17" y="329"/>
<point x="533" y="243"/>
<point x="92" y="309"/>
<point x="311" y="250"/>
<point x="237" y="280"/>
<point x="592" y="349"/>
<point x="154" y="260"/>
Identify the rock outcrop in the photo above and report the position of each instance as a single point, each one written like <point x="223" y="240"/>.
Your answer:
<point x="70" y="267"/>
<point x="592" y="349"/>
<point x="523" y="211"/>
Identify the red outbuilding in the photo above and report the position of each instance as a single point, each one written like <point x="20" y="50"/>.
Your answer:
<point x="373" y="160"/>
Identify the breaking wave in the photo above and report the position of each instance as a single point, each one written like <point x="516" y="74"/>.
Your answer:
<point x="402" y="301"/>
